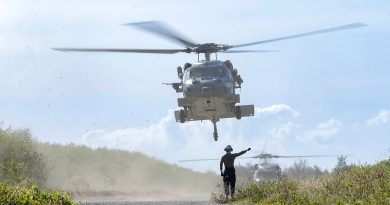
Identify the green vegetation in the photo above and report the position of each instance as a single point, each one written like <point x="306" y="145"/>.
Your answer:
<point x="21" y="168"/>
<point x="20" y="162"/>
<point x="363" y="184"/>
<point x="83" y="171"/>
<point x="301" y="170"/>
<point x="31" y="172"/>
<point x="32" y="196"/>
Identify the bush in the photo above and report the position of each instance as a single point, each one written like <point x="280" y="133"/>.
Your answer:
<point x="32" y="195"/>
<point x="364" y="184"/>
<point x="301" y="170"/>
<point x="20" y="163"/>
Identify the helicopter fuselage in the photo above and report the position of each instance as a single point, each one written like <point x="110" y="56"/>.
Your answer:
<point x="267" y="171"/>
<point x="209" y="93"/>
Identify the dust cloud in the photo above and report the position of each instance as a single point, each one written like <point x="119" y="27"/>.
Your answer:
<point x="95" y="173"/>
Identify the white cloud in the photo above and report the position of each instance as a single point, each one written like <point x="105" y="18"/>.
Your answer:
<point x="383" y="117"/>
<point x="323" y="131"/>
<point x="154" y="137"/>
<point x="278" y="109"/>
<point x="286" y="130"/>
<point x="172" y="141"/>
<point x="167" y="129"/>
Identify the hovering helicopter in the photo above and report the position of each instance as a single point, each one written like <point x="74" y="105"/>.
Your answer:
<point x="208" y="86"/>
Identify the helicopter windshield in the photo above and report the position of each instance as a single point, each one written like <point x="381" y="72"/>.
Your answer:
<point x="219" y="72"/>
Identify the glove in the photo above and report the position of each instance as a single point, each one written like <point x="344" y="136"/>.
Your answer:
<point x="249" y="149"/>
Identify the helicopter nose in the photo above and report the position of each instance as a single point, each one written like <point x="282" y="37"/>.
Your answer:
<point x="207" y="92"/>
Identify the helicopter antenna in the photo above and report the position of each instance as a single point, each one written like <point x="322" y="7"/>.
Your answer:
<point x="265" y="145"/>
<point x="263" y="152"/>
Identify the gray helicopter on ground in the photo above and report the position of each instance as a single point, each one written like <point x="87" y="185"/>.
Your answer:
<point x="265" y="169"/>
<point x="208" y="86"/>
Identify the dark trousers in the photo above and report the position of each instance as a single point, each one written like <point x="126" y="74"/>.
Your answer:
<point x="229" y="180"/>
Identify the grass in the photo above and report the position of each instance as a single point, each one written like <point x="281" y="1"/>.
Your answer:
<point x="33" y="195"/>
<point x="364" y="184"/>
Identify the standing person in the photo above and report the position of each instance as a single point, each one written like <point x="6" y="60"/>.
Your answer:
<point x="229" y="174"/>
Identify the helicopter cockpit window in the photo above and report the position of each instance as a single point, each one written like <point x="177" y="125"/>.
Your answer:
<point x="219" y="72"/>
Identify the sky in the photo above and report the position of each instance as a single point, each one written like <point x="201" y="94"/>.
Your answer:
<point x="324" y="94"/>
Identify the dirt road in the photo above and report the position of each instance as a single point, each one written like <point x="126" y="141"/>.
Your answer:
<point x="152" y="203"/>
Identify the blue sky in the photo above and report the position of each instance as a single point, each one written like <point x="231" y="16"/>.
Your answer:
<point x="325" y="94"/>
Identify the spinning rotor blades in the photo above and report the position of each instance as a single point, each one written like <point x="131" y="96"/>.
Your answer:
<point x="250" y="51"/>
<point x="195" y="160"/>
<point x="192" y="47"/>
<point x="304" y="156"/>
<point x="264" y="156"/>
<point x="328" y="30"/>
<point x="163" y="30"/>
<point x="267" y="156"/>
<point x="158" y="51"/>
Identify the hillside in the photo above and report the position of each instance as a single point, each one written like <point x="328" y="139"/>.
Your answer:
<point x="84" y="170"/>
<point x="95" y="172"/>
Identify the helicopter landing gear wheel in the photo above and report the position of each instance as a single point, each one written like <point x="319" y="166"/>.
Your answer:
<point x="238" y="112"/>
<point x="182" y="116"/>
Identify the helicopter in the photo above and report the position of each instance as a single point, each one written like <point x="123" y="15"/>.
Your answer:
<point x="208" y="86"/>
<point x="264" y="170"/>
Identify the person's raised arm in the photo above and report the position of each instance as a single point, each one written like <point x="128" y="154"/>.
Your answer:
<point x="242" y="152"/>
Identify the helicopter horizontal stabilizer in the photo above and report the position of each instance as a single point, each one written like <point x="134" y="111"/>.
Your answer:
<point x="241" y="111"/>
<point x="247" y="110"/>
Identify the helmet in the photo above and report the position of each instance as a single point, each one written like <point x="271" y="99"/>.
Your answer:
<point x="228" y="148"/>
<point x="187" y="65"/>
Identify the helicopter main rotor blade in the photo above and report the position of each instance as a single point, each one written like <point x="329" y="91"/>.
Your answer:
<point x="265" y="156"/>
<point x="303" y="156"/>
<point x="258" y="157"/>
<point x="328" y="30"/>
<point x="249" y="51"/>
<point x="163" y="30"/>
<point x="268" y="156"/>
<point x="158" y="51"/>
<point x="195" y="160"/>
<point x="244" y="158"/>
